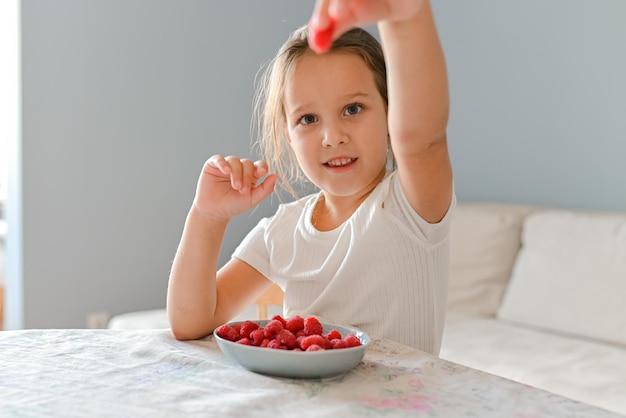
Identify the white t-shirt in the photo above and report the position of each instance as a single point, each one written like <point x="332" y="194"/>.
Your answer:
<point x="384" y="270"/>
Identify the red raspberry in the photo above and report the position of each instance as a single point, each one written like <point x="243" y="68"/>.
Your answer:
<point x="295" y="333"/>
<point x="228" y="333"/>
<point x="246" y="328"/>
<point x="333" y="335"/>
<point x="286" y="338"/>
<point x="276" y="345"/>
<point x="314" y="347"/>
<point x="352" y="340"/>
<point x="295" y="323"/>
<point x="312" y="326"/>
<point x="273" y="328"/>
<point x="311" y="340"/>
<point x="257" y="336"/>
<point x="338" y="343"/>
<point x="299" y="339"/>
<point x="281" y="319"/>
<point x="327" y="344"/>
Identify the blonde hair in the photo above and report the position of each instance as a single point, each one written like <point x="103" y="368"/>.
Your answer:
<point x="269" y="106"/>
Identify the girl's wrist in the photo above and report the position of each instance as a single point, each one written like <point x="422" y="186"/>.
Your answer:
<point x="203" y="221"/>
<point x="407" y="18"/>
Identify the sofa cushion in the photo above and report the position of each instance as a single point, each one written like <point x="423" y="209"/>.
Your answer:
<point x="484" y="241"/>
<point x="570" y="275"/>
<point x="577" y="368"/>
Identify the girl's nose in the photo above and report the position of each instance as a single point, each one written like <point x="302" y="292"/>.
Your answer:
<point x="333" y="135"/>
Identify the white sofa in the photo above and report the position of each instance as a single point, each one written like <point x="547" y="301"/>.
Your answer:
<point x="538" y="295"/>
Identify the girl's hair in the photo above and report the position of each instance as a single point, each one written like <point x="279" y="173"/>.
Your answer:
<point x="269" y="105"/>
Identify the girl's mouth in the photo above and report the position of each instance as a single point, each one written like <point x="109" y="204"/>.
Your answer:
<point x="340" y="162"/>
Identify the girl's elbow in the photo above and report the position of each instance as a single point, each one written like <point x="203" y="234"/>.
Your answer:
<point x="184" y="330"/>
<point x="178" y="331"/>
<point x="182" y="333"/>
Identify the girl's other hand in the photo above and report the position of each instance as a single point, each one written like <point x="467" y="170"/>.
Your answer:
<point x="229" y="186"/>
<point x="331" y="18"/>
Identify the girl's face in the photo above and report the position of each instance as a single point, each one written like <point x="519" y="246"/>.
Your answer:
<point x="336" y="123"/>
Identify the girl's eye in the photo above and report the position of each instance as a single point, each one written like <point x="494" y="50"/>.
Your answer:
<point x="353" y="109"/>
<point x="307" y="119"/>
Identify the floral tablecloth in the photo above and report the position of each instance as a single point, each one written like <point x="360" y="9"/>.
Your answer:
<point x="117" y="373"/>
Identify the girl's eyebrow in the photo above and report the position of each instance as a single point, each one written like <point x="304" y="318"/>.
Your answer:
<point x="298" y="108"/>
<point x="347" y="98"/>
<point x="352" y="96"/>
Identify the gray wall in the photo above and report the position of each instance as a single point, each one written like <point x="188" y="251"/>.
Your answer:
<point x="538" y="93"/>
<point x="124" y="100"/>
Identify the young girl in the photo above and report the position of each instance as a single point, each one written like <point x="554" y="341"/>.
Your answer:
<point x="370" y="249"/>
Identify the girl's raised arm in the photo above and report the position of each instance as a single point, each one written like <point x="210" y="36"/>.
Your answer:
<point x="418" y="111"/>
<point x="417" y="91"/>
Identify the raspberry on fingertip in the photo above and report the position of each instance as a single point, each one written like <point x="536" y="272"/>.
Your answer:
<point x="321" y="40"/>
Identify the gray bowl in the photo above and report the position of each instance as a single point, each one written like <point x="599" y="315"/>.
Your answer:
<point x="296" y="364"/>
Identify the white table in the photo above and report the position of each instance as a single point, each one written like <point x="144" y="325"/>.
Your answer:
<point x="122" y="373"/>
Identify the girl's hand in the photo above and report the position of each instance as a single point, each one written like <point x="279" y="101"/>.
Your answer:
<point x="331" y="18"/>
<point x="230" y="186"/>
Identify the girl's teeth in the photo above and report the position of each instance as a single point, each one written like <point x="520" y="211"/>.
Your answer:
<point x="340" y="162"/>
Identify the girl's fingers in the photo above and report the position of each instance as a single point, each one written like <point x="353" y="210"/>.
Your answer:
<point x="320" y="20"/>
<point x="264" y="189"/>
<point x="260" y="169"/>
<point x="218" y="162"/>
<point x="247" y="176"/>
<point x="236" y="175"/>
<point x="343" y="17"/>
<point x="244" y="174"/>
<point x="321" y="27"/>
<point x="331" y="18"/>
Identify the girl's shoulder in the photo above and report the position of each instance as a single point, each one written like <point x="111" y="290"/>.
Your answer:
<point x="299" y="204"/>
<point x="294" y="209"/>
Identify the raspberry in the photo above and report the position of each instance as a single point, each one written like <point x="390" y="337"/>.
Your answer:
<point x="228" y="333"/>
<point x="257" y="336"/>
<point x="286" y="338"/>
<point x="333" y="335"/>
<point x="312" y="340"/>
<point x="246" y="328"/>
<point x="314" y="347"/>
<point x="352" y="340"/>
<point x="299" y="339"/>
<point x="338" y="343"/>
<point x="273" y="328"/>
<point x="295" y="323"/>
<point x="321" y="40"/>
<point x="281" y="319"/>
<point x="243" y="341"/>
<point x="276" y="345"/>
<point x="327" y="344"/>
<point x="312" y="326"/>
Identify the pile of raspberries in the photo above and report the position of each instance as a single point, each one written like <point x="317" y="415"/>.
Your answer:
<point x="295" y="333"/>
